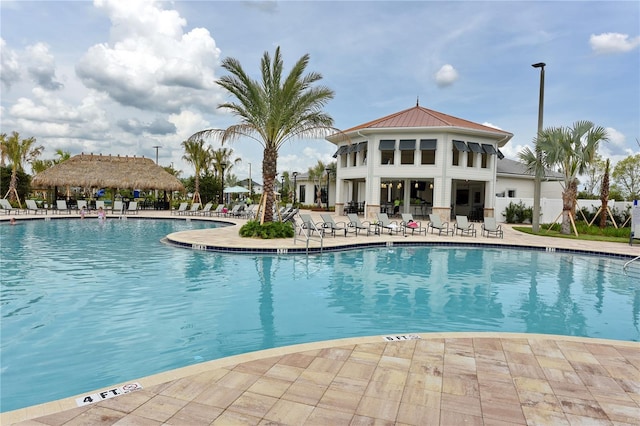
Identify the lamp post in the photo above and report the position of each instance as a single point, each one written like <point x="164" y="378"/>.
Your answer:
<point x="295" y="188"/>
<point x="223" y="165"/>
<point x="250" y="183"/>
<point x="535" y="220"/>
<point x="328" y="170"/>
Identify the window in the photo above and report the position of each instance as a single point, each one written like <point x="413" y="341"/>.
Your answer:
<point x="484" y="161"/>
<point x="407" y="151"/>
<point x="428" y="151"/>
<point x="458" y="147"/>
<point x="362" y="149"/>
<point x="303" y="196"/>
<point x="387" y="151"/>
<point x="511" y="193"/>
<point x="470" y="157"/>
<point x="474" y="148"/>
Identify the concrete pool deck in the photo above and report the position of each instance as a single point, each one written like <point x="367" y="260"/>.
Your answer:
<point x="440" y="378"/>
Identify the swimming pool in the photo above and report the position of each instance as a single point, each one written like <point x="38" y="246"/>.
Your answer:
<point x="86" y="305"/>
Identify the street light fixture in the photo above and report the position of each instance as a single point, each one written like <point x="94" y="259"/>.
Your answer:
<point x="535" y="220"/>
<point x="250" y="182"/>
<point x="328" y="170"/>
<point x="295" y="188"/>
<point x="223" y="165"/>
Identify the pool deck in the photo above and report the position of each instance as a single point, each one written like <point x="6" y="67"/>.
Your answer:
<point x="425" y="379"/>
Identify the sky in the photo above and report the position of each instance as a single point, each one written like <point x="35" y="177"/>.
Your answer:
<point x="122" y="77"/>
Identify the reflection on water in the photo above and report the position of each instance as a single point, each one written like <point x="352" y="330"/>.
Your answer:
<point x="84" y="307"/>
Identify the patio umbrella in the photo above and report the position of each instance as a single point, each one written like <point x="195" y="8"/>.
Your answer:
<point x="235" y="190"/>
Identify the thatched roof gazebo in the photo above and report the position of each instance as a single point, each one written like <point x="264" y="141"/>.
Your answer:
<point x="102" y="171"/>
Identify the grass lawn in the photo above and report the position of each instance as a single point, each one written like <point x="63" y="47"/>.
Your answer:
<point x="586" y="233"/>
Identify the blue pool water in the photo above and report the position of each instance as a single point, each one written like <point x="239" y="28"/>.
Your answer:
<point x="86" y="305"/>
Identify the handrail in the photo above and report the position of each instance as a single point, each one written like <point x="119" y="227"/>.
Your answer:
<point x="624" y="268"/>
<point x="307" y="228"/>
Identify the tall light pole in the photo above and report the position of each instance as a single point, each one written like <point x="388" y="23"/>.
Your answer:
<point x="295" y="188"/>
<point x="535" y="221"/>
<point x="157" y="147"/>
<point x="250" y="183"/>
<point x="222" y="166"/>
<point x="328" y="170"/>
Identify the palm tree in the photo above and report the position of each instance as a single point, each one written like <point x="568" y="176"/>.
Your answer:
<point x="200" y="157"/>
<point x="221" y="161"/>
<point x="570" y="150"/>
<point x="17" y="151"/>
<point x="273" y="111"/>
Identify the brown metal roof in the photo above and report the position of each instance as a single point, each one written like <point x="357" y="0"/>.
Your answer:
<point x="418" y="116"/>
<point x="106" y="171"/>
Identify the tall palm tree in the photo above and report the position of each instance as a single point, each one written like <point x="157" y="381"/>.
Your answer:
<point x="221" y="162"/>
<point x="198" y="155"/>
<point x="18" y="151"/>
<point x="273" y="111"/>
<point x="570" y="150"/>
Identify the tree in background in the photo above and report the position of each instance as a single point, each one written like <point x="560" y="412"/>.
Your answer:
<point x="318" y="175"/>
<point x="569" y="150"/>
<point x="17" y="151"/>
<point x="220" y="157"/>
<point x="199" y="156"/>
<point x="593" y="177"/>
<point x="273" y="111"/>
<point x="604" y="196"/>
<point x="626" y="176"/>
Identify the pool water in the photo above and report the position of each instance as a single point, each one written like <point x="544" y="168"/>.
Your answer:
<point x="86" y="305"/>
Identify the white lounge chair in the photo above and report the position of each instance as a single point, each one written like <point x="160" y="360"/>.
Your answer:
<point x="436" y="223"/>
<point x="193" y="210"/>
<point x="355" y="225"/>
<point x="385" y="223"/>
<point x="32" y="206"/>
<point x="465" y="228"/>
<point x="61" y="206"/>
<point x="409" y="224"/>
<point x="181" y="209"/>
<point x="117" y="207"/>
<point x="7" y="208"/>
<point x="206" y="210"/>
<point x="132" y="208"/>
<point x="331" y="226"/>
<point x="490" y="227"/>
<point x="308" y="224"/>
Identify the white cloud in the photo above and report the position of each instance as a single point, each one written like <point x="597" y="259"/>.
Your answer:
<point x="486" y="123"/>
<point x="9" y="63"/>
<point x="150" y="63"/>
<point x="42" y="67"/>
<point x="446" y="75"/>
<point x="613" y="43"/>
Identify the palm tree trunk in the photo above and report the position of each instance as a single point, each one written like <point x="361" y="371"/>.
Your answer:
<point x="568" y="206"/>
<point x="269" y="170"/>
<point x="13" y="185"/>
<point x="604" y="196"/>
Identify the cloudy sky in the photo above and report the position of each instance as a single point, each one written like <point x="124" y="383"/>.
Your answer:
<point x="124" y="76"/>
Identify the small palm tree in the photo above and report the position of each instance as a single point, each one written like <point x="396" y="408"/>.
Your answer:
<point x="196" y="154"/>
<point x="18" y="151"/>
<point x="570" y="150"/>
<point x="273" y="111"/>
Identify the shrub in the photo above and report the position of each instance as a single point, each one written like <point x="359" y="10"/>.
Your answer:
<point x="518" y="213"/>
<point x="269" y="230"/>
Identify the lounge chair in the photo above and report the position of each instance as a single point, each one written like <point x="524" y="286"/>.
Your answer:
<point x="409" y="224"/>
<point x="100" y="203"/>
<point x="118" y="207"/>
<point x="465" y="228"/>
<point x="235" y="211"/>
<point x="309" y="224"/>
<point x="181" y="209"/>
<point x="217" y="211"/>
<point x="206" y="210"/>
<point x="193" y="210"/>
<point x="7" y="208"/>
<point x="490" y="227"/>
<point x="385" y="223"/>
<point x="61" y="206"/>
<point x="132" y="208"/>
<point x="331" y="226"/>
<point x="82" y="204"/>
<point x="32" y="206"/>
<point x="250" y="211"/>
<point x="290" y="216"/>
<point x="436" y="223"/>
<point x="355" y="225"/>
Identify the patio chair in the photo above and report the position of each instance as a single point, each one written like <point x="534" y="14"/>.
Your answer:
<point x="61" y="206"/>
<point x="7" y="208"/>
<point x="32" y="206"/>
<point x="308" y="224"/>
<point x="290" y="217"/>
<point x="331" y="226"/>
<point x="82" y="204"/>
<point x="490" y="227"/>
<point x="181" y="209"/>
<point x="250" y="211"/>
<point x="217" y="211"/>
<point x="465" y="228"/>
<point x="355" y="225"/>
<point x="436" y="223"/>
<point x="206" y="210"/>
<point x="193" y="210"/>
<point x="410" y="224"/>
<point x="117" y="208"/>
<point x="385" y="223"/>
<point x="132" y="208"/>
<point x="100" y="203"/>
<point x="235" y="211"/>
